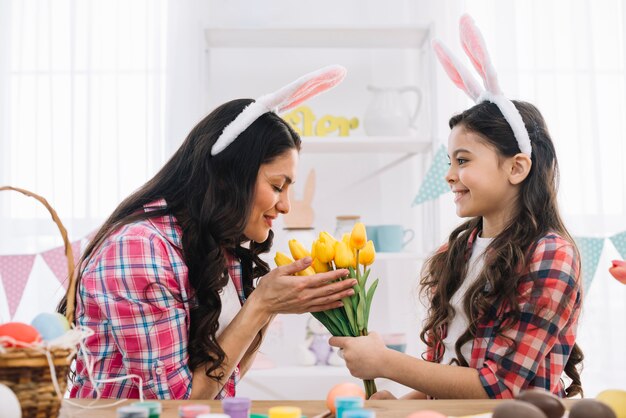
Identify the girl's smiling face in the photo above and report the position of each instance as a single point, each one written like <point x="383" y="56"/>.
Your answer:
<point x="271" y="195"/>
<point x="480" y="180"/>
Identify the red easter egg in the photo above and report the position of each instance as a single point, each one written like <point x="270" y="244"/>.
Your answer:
<point x="618" y="270"/>
<point x="20" y="332"/>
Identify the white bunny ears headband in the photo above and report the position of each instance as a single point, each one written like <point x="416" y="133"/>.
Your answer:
<point x="283" y="99"/>
<point x="475" y="48"/>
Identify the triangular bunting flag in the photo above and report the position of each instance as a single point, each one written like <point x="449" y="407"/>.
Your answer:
<point x="14" y="271"/>
<point x="56" y="260"/>
<point x="619" y="241"/>
<point x="590" y="250"/>
<point x="434" y="184"/>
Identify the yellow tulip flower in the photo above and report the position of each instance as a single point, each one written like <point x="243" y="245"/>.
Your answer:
<point x="326" y="237"/>
<point x="319" y="266"/>
<point x="343" y="255"/>
<point x="324" y="251"/>
<point x="282" y="259"/>
<point x="346" y="238"/>
<point x="297" y="250"/>
<point x="306" y="272"/>
<point x="358" y="237"/>
<point x="367" y="254"/>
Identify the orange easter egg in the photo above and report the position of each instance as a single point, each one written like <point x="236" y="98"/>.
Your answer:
<point x="427" y="414"/>
<point x="341" y="390"/>
<point x="20" y="332"/>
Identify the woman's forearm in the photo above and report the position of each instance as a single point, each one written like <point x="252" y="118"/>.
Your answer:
<point x="248" y="358"/>
<point x="437" y="380"/>
<point x="237" y="340"/>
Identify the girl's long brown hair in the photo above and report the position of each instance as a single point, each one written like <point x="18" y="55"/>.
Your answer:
<point x="509" y="253"/>
<point x="211" y="198"/>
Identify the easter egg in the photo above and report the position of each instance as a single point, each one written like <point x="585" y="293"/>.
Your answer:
<point x="343" y="390"/>
<point x="20" y="332"/>
<point x="544" y="400"/>
<point x="50" y="325"/>
<point x="618" y="270"/>
<point x="586" y="408"/>
<point x="517" y="409"/>
<point x="10" y="404"/>
<point x="616" y="399"/>
<point x="426" y="414"/>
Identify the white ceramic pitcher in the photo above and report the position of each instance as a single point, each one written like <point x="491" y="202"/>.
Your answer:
<point x="388" y="113"/>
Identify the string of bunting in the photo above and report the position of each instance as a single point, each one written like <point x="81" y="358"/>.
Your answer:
<point x="435" y="185"/>
<point x="15" y="270"/>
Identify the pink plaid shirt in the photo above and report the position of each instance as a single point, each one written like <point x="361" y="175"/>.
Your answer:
<point x="130" y="295"/>
<point x="550" y="297"/>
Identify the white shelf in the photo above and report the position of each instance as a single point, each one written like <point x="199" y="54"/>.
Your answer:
<point x="318" y="37"/>
<point x="362" y="144"/>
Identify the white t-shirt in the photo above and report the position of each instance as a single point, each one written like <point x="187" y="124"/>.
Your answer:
<point x="460" y="322"/>
<point x="230" y="306"/>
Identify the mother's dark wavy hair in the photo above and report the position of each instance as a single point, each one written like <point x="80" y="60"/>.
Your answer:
<point x="537" y="214"/>
<point x="211" y="198"/>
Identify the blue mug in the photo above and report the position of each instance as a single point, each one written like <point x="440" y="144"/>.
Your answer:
<point x="392" y="238"/>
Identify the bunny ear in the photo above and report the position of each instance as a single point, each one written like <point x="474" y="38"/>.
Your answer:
<point x="476" y="49"/>
<point x="457" y="72"/>
<point x="283" y="99"/>
<point x="304" y="88"/>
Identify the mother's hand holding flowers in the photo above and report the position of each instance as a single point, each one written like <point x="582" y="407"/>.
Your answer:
<point x="283" y="290"/>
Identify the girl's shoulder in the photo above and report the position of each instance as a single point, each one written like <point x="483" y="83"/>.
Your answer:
<point x="555" y="257"/>
<point x="552" y="244"/>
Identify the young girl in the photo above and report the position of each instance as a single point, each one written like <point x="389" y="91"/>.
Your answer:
<point x="167" y="282"/>
<point x="505" y="291"/>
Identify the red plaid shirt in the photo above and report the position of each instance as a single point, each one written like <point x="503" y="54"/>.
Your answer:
<point x="549" y="297"/>
<point x="128" y="296"/>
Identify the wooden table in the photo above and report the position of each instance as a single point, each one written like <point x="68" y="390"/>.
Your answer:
<point x="384" y="409"/>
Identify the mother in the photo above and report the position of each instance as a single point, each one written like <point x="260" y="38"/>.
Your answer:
<point x="168" y="282"/>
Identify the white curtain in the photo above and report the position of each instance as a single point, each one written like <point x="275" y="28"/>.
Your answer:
<point x="94" y="97"/>
<point x="82" y="108"/>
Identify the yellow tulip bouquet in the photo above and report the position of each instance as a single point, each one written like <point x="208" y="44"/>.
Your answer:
<point x="353" y="251"/>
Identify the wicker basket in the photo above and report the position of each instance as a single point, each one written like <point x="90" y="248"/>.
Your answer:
<point x="25" y="370"/>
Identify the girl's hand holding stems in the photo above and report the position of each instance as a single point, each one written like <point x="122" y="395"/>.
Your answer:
<point x="367" y="357"/>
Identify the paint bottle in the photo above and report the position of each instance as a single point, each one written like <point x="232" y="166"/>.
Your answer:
<point x="285" y="412"/>
<point x="193" y="410"/>
<point x="132" y="412"/>
<point x="154" y="408"/>
<point x="237" y="407"/>
<point x="347" y="403"/>
<point x="359" y="413"/>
